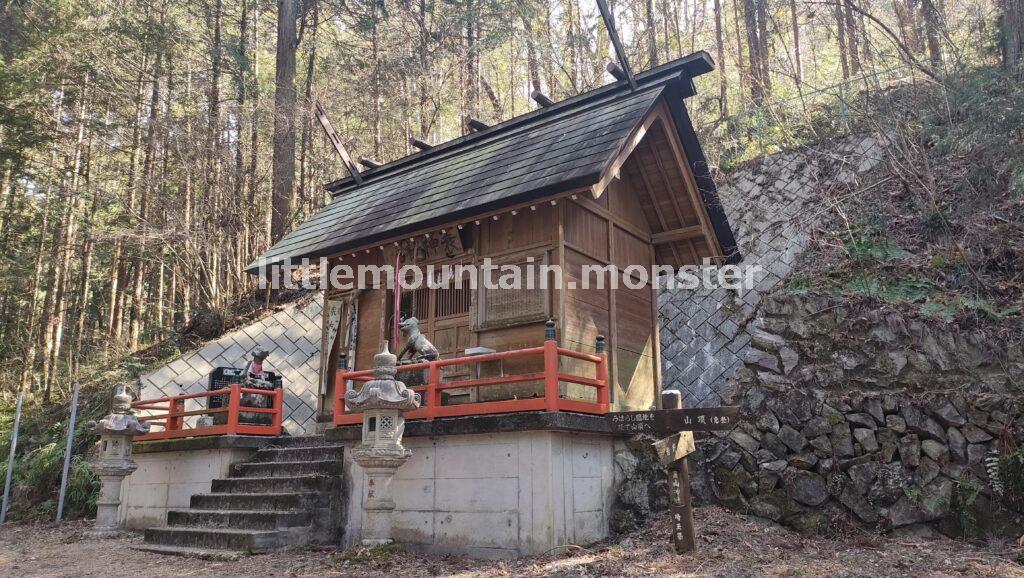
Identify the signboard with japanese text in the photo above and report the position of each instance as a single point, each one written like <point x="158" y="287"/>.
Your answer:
<point x="674" y="420"/>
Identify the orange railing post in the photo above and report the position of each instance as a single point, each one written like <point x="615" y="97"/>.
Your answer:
<point x="339" y="395"/>
<point x="433" y="394"/>
<point x="173" y="422"/>
<point x="278" y="410"/>
<point x="602" y="375"/>
<point x="234" y="403"/>
<point x="550" y="367"/>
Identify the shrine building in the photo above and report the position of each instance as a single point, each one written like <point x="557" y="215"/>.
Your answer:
<point x="511" y="454"/>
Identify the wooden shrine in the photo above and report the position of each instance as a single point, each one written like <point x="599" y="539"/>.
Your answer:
<point x="610" y="177"/>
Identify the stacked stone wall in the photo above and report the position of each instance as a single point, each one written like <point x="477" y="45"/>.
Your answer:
<point x="851" y="411"/>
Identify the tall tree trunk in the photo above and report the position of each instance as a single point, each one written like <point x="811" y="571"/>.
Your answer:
<point x="243" y="216"/>
<point x="85" y="274"/>
<point x="135" y="323"/>
<point x="723" y="96"/>
<point x="1013" y="37"/>
<point x="549" y="68"/>
<point x="214" y="195"/>
<point x="651" y="31"/>
<point x="841" y="37"/>
<point x="762" y="36"/>
<point x="471" y="91"/>
<point x="307" y="113"/>
<point x="743" y="72"/>
<point x="932" y="22"/>
<point x="7" y="200"/>
<point x="259" y="214"/>
<point x="375" y="79"/>
<point x="571" y="24"/>
<point x="750" y="18"/>
<point x="425" y="67"/>
<point x="119" y="266"/>
<point x="798" y="66"/>
<point x="31" y="343"/>
<point x="284" y="118"/>
<point x="532" y="65"/>
<point x="68" y="234"/>
<point x="852" y="41"/>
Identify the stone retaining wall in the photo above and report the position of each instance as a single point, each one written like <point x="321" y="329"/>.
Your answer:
<point x="854" y="412"/>
<point x="773" y="204"/>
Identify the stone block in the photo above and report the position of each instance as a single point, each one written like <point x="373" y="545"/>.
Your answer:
<point x="866" y="438"/>
<point x="792" y="438"/>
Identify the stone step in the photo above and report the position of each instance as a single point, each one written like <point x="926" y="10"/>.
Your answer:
<point x="256" y="501"/>
<point x="254" y="485"/>
<point x="300" y="441"/>
<point x="285" y="469"/>
<point x="300" y="453"/>
<point x="229" y="539"/>
<point x="239" y="519"/>
<point x="201" y="553"/>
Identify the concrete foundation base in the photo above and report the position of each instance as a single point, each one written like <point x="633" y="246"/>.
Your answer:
<point x="503" y="494"/>
<point x="171" y="471"/>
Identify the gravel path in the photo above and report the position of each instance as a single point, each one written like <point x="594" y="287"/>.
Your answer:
<point x="730" y="545"/>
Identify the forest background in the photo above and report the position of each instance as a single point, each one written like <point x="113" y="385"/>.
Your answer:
<point x="150" y="149"/>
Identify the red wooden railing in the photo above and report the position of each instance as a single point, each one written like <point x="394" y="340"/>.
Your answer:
<point x="430" y="404"/>
<point x="174" y="410"/>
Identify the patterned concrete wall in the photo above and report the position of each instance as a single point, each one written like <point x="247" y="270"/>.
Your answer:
<point x="292" y="336"/>
<point x="773" y="204"/>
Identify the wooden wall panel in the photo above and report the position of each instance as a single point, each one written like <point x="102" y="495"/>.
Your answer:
<point x="586" y="230"/>
<point x="625" y="199"/>
<point x="528" y="228"/>
<point x="628" y="250"/>
<point x="635" y="329"/>
<point x="573" y="272"/>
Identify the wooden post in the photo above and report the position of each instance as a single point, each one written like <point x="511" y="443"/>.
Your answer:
<point x="278" y="410"/>
<point x="397" y="302"/>
<point x="433" y="400"/>
<point x="602" y="374"/>
<point x="339" y="396"/>
<point x="550" y="367"/>
<point x="234" y="403"/>
<point x="684" y="536"/>
<point x="171" y="421"/>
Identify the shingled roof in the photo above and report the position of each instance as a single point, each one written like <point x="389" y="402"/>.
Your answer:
<point x="551" y="150"/>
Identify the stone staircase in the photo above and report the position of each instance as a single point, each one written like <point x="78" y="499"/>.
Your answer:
<point x="288" y="496"/>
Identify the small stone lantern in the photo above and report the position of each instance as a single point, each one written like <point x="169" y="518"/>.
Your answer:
<point x="114" y="461"/>
<point x="382" y="401"/>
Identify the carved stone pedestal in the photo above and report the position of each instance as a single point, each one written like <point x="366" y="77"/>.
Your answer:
<point x="378" y="503"/>
<point x="381" y="453"/>
<point x="114" y="461"/>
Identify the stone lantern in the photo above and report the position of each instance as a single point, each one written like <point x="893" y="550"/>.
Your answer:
<point x="114" y="461"/>
<point x="382" y="401"/>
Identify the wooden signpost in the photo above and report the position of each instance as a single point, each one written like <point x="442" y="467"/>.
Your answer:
<point x="678" y="424"/>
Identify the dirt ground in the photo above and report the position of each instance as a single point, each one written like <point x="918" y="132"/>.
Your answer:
<point x="730" y="545"/>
